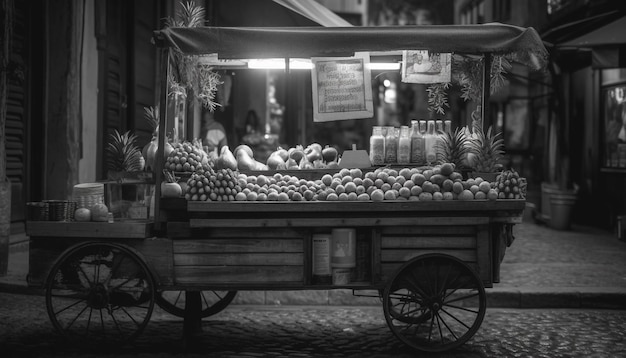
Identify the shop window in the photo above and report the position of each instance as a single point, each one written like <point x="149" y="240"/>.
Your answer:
<point x="614" y="123"/>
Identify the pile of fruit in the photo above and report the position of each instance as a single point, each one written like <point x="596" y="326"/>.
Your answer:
<point x="213" y="185"/>
<point x="440" y="182"/>
<point x="186" y="157"/>
<point x="510" y="185"/>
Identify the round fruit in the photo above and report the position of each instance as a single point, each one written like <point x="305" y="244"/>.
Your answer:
<point x="418" y="179"/>
<point x="480" y="195"/>
<point x="99" y="212"/>
<point x="356" y="173"/>
<point x="391" y="195"/>
<point x="484" y="186"/>
<point x="377" y="195"/>
<point x="466" y="195"/>
<point x="82" y="214"/>
<point x="425" y="196"/>
<point x="446" y="168"/>
<point x="406" y="173"/>
<point x="457" y="187"/>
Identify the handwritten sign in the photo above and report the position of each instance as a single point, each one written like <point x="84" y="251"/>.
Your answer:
<point x="421" y="66"/>
<point x="341" y="88"/>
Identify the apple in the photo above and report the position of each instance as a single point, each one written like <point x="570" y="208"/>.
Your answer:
<point x="329" y="154"/>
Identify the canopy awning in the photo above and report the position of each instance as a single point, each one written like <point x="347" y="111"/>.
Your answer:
<point x="306" y="42"/>
<point x="613" y="34"/>
<point x="314" y="11"/>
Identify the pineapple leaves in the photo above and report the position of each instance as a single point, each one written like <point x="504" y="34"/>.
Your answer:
<point x="488" y="149"/>
<point x="151" y="114"/>
<point x="122" y="152"/>
<point x="454" y="147"/>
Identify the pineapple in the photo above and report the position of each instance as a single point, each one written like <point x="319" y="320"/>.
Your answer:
<point x="123" y="155"/>
<point x="453" y="148"/>
<point x="487" y="150"/>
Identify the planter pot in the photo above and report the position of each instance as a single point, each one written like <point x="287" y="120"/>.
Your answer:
<point x="561" y="205"/>
<point x="547" y="189"/>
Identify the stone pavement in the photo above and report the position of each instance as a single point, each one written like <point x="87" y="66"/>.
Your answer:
<point x="544" y="268"/>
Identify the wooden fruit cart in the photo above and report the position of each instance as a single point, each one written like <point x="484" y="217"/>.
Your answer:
<point x="429" y="261"/>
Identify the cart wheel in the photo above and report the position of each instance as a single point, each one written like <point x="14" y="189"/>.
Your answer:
<point x="434" y="303"/>
<point x="213" y="302"/>
<point x="100" y="293"/>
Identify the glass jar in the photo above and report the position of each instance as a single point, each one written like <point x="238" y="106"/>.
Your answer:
<point x="377" y="146"/>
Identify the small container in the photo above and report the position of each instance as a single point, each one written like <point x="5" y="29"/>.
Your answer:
<point x="110" y="219"/>
<point x="377" y="146"/>
<point x="404" y="146"/>
<point x="321" y="259"/>
<point x="343" y="250"/>
<point x="417" y="142"/>
<point x="391" y="145"/>
<point x="341" y="276"/>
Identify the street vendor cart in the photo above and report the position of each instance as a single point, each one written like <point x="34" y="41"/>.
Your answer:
<point x="428" y="261"/>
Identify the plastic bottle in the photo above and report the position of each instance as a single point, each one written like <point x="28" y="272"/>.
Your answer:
<point x="391" y="145"/>
<point x="417" y="142"/>
<point x="439" y="142"/>
<point x="430" y="141"/>
<point x="377" y="146"/>
<point x="404" y="146"/>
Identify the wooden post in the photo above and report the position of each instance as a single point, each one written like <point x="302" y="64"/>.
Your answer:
<point x="5" y="185"/>
<point x="159" y="158"/>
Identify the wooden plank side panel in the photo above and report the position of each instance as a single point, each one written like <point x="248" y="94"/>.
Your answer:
<point x="432" y="242"/>
<point x="238" y="245"/>
<point x="406" y="255"/>
<point x="239" y="259"/>
<point x="390" y="269"/>
<point x="45" y="251"/>
<point x="448" y="230"/>
<point x="91" y="229"/>
<point x="335" y="222"/>
<point x="238" y="274"/>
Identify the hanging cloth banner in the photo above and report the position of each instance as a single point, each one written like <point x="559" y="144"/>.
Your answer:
<point x="422" y="66"/>
<point x="341" y="88"/>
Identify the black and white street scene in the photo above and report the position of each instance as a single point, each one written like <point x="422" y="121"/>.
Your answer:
<point x="313" y="178"/>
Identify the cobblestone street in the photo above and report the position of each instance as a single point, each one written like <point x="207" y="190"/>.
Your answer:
<point x="306" y="331"/>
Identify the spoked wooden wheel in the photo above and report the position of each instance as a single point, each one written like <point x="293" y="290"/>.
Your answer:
<point x="434" y="303"/>
<point x="100" y="293"/>
<point x="213" y="302"/>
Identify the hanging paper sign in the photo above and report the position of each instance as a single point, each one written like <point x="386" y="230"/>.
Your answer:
<point x="421" y="66"/>
<point x="341" y="88"/>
